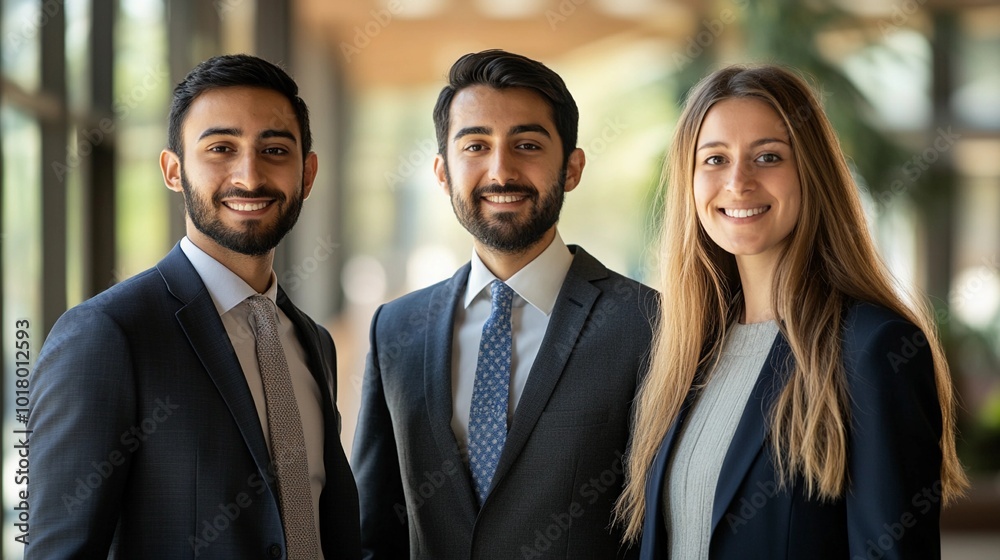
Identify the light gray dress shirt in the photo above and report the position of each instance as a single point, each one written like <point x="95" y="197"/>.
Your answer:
<point x="536" y="287"/>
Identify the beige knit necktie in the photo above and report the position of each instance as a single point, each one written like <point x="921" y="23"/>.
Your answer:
<point x="288" y="444"/>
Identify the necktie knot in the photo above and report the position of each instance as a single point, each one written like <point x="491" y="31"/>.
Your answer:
<point x="261" y="310"/>
<point x="502" y="297"/>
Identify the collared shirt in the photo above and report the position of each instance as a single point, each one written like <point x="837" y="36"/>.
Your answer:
<point x="229" y="293"/>
<point x="536" y="287"/>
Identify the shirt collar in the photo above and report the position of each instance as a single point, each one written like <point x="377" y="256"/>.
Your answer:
<point x="538" y="282"/>
<point x="226" y="288"/>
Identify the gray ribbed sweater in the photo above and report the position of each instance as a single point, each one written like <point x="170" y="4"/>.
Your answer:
<point x="697" y="458"/>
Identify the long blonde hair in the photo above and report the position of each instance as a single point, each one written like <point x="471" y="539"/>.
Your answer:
<point x="827" y="262"/>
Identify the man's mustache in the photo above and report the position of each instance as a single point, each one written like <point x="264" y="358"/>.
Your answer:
<point x="509" y="188"/>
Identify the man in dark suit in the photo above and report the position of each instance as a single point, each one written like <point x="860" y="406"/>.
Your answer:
<point x="495" y="405"/>
<point x="190" y="411"/>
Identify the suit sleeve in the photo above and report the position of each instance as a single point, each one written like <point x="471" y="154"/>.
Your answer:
<point x="82" y="411"/>
<point x="384" y="530"/>
<point x="340" y="531"/>
<point x="893" y="501"/>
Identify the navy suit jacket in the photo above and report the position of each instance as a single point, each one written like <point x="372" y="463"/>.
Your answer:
<point x="560" y="470"/>
<point x="145" y="439"/>
<point x="892" y="504"/>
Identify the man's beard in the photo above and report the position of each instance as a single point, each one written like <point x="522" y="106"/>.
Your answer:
<point x="254" y="238"/>
<point x="506" y="232"/>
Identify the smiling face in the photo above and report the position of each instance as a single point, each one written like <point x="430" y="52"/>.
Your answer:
<point x="504" y="170"/>
<point x="746" y="183"/>
<point x="243" y="174"/>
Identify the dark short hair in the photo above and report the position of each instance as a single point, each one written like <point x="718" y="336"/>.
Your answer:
<point x="233" y="70"/>
<point x="499" y="70"/>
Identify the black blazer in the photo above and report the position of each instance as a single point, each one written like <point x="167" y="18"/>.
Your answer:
<point x="892" y="504"/>
<point x="146" y="442"/>
<point x="561" y="468"/>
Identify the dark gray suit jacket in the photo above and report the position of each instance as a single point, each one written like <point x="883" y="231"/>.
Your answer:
<point x="561" y="469"/>
<point x="146" y="442"/>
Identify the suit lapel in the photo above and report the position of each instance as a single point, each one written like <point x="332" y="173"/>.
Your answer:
<point x="308" y="337"/>
<point x="437" y="378"/>
<point x="573" y="306"/>
<point x="200" y="321"/>
<point x="670" y="439"/>
<point x="656" y="481"/>
<point x="748" y="441"/>
<point x="318" y="364"/>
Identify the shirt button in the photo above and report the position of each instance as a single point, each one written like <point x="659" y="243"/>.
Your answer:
<point x="274" y="551"/>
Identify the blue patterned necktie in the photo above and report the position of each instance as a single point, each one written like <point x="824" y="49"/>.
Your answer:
<point x="488" y="416"/>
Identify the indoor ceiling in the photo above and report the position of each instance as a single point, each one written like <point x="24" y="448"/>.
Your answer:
<point x="409" y="42"/>
<point x="400" y="42"/>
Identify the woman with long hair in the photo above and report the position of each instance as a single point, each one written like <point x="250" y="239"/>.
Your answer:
<point x="796" y="405"/>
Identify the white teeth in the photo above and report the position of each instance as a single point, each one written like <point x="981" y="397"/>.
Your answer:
<point x="246" y="206"/>
<point x="503" y="198"/>
<point x="744" y="212"/>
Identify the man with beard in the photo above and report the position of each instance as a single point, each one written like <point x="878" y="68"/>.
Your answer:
<point x="190" y="411"/>
<point x="495" y="404"/>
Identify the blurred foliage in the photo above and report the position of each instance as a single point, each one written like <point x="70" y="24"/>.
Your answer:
<point x="792" y="40"/>
<point x="786" y="32"/>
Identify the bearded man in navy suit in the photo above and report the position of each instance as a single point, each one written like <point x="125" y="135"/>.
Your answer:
<point x="151" y="427"/>
<point x="577" y="336"/>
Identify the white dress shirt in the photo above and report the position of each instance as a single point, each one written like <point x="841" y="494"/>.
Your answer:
<point x="229" y="293"/>
<point x="536" y="287"/>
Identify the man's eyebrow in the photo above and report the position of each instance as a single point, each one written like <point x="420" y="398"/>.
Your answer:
<point x="516" y="129"/>
<point x="522" y="128"/>
<point x="220" y="131"/>
<point x="227" y="131"/>
<point x="472" y="130"/>
<point x="273" y="133"/>
<point x="754" y="144"/>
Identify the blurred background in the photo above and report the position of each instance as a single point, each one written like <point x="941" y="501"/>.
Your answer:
<point x="913" y="88"/>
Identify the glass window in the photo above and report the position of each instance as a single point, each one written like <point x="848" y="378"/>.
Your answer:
<point x="22" y="24"/>
<point x="142" y="90"/>
<point x="975" y="101"/>
<point x="22" y="252"/>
